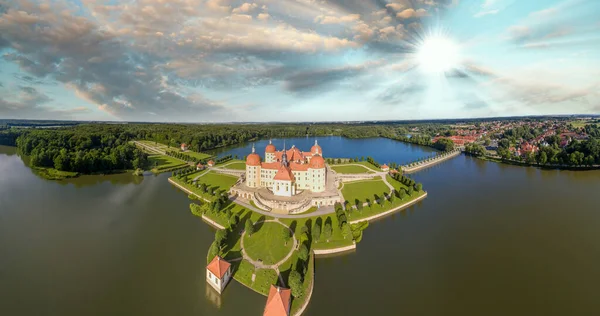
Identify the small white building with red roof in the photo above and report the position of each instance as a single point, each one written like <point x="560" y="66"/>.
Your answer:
<point x="385" y="168"/>
<point x="184" y="147"/>
<point x="200" y="166"/>
<point x="210" y="163"/>
<point x="218" y="273"/>
<point x="278" y="302"/>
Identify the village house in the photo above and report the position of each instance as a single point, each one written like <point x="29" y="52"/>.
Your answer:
<point x="210" y="163"/>
<point x="200" y="166"/>
<point x="218" y="273"/>
<point x="184" y="147"/>
<point x="278" y="302"/>
<point x="385" y="168"/>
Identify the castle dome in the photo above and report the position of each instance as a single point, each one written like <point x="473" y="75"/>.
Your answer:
<point x="316" y="149"/>
<point x="253" y="159"/>
<point x="317" y="162"/>
<point x="270" y="148"/>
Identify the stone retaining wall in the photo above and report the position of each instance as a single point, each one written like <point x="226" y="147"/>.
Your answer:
<point x="211" y="222"/>
<point x="335" y="250"/>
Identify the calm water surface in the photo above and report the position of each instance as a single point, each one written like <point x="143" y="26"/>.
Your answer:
<point x="490" y="239"/>
<point x="382" y="150"/>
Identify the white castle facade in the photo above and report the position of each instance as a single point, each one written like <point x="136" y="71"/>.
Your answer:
<point x="287" y="172"/>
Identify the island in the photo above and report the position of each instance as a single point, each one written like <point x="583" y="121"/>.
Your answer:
<point x="275" y="215"/>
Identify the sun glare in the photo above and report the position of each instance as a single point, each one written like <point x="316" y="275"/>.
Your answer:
<point x="438" y="54"/>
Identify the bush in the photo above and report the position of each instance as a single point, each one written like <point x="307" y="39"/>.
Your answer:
<point x="295" y="283"/>
<point x="303" y="253"/>
<point x="249" y="227"/>
<point x="316" y="232"/>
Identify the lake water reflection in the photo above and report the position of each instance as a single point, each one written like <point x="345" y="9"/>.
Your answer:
<point x="490" y="239"/>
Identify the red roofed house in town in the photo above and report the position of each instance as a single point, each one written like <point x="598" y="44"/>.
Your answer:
<point x="385" y="168"/>
<point x="200" y="166"/>
<point x="210" y="163"/>
<point x="184" y="146"/>
<point x="278" y="302"/>
<point x="459" y="140"/>
<point x="218" y="273"/>
<point x="527" y="148"/>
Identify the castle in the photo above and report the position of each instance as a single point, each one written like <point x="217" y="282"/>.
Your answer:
<point x="287" y="172"/>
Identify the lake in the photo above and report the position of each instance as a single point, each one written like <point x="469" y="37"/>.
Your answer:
<point x="383" y="150"/>
<point x="490" y="239"/>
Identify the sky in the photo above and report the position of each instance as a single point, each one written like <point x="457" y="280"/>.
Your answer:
<point x="297" y="60"/>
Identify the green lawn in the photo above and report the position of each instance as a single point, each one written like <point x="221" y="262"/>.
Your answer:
<point x="264" y="279"/>
<point x="337" y="239"/>
<point x="242" y="271"/>
<point x="267" y="243"/>
<point x="197" y="155"/>
<point x="237" y="165"/>
<point x="396" y="184"/>
<point x="217" y="180"/>
<point x="579" y="123"/>
<point x="374" y="209"/>
<point x="351" y="169"/>
<point x="161" y="162"/>
<point x="363" y="190"/>
<point x="368" y="165"/>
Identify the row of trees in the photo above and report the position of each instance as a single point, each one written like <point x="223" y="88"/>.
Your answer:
<point x="475" y="149"/>
<point x="84" y="151"/>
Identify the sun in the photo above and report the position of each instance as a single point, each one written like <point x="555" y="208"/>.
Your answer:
<point x="438" y="54"/>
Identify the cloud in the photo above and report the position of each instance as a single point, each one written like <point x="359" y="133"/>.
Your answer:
<point x="411" y="13"/>
<point x="327" y="19"/>
<point x="28" y="102"/>
<point x="492" y="7"/>
<point x="395" y="6"/>
<point x="263" y="16"/>
<point x="56" y="44"/>
<point x="245" y="8"/>
<point x="316" y="80"/>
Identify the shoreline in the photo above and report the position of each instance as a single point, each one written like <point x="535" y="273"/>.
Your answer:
<point x="310" y="292"/>
<point x="525" y="164"/>
<point x="331" y="251"/>
<point x="388" y="212"/>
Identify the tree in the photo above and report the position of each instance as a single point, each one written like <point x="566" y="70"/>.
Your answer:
<point x="220" y="236"/>
<point x="543" y="158"/>
<point x="391" y="197"/>
<point x="249" y="227"/>
<point x="233" y="220"/>
<point x="303" y="253"/>
<point x="327" y="230"/>
<point x="418" y="187"/>
<point x="295" y="283"/>
<point x="346" y="231"/>
<point x="285" y="234"/>
<point x="316" y="232"/>
<point x="213" y="251"/>
<point x="409" y="191"/>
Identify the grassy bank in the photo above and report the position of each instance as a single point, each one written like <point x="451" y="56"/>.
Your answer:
<point x="53" y="174"/>
<point x="351" y="169"/>
<point x="364" y="190"/>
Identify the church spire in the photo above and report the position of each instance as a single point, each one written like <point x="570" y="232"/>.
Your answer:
<point x="284" y="160"/>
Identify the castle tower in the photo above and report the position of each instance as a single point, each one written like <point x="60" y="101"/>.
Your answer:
<point x="270" y="152"/>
